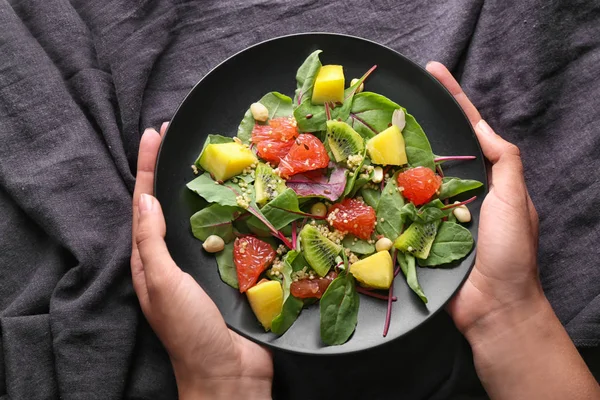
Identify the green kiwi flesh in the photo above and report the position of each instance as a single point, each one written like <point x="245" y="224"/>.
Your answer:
<point x="343" y="140"/>
<point x="267" y="184"/>
<point x="417" y="239"/>
<point x="319" y="252"/>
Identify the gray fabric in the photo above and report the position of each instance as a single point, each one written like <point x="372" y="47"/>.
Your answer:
<point x="79" y="80"/>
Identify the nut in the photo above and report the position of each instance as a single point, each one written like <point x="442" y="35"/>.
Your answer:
<point x="377" y="175"/>
<point x="383" y="244"/>
<point x="213" y="244"/>
<point x="259" y="112"/>
<point x="462" y="213"/>
<point x="318" y="209"/>
<point x="360" y="88"/>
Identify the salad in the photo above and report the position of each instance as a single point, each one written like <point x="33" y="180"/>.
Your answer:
<point x="326" y="197"/>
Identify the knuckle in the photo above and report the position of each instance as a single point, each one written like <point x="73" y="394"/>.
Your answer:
<point x="513" y="149"/>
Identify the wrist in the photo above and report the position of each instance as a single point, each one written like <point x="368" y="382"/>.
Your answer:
<point x="224" y="388"/>
<point x="510" y="321"/>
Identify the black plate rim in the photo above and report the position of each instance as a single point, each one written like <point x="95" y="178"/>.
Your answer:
<point x="436" y="82"/>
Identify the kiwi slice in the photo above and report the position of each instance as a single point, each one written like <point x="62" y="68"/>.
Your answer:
<point x="319" y="252"/>
<point x="417" y="239"/>
<point x="267" y="184"/>
<point x="343" y="140"/>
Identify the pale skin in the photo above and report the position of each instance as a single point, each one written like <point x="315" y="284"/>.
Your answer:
<point x="520" y="349"/>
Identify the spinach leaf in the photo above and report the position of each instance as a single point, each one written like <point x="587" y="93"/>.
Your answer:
<point x="429" y="212"/>
<point x="418" y="149"/>
<point x="371" y="113"/>
<point x="350" y="182"/>
<point x="224" y="194"/>
<point x="291" y="305"/>
<point x="212" y="139"/>
<point x="407" y="265"/>
<point x="371" y="197"/>
<point x="452" y="242"/>
<point x="214" y="220"/>
<point x="453" y="186"/>
<point x="359" y="246"/>
<point x="432" y="211"/>
<point x="227" y="266"/>
<point x="280" y="211"/>
<point x="339" y="310"/>
<point x="361" y="181"/>
<point x="306" y="75"/>
<point x="279" y="105"/>
<point x="409" y="212"/>
<point x="389" y="210"/>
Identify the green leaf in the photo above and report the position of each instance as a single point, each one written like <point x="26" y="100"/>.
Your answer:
<point x="371" y="113"/>
<point x="306" y="75"/>
<point x="279" y="105"/>
<point x="214" y="220"/>
<point x="407" y="265"/>
<point x="389" y="209"/>
<point x="452" y="242"/>
<point x="351" y="180"/>
<point x="430" y="212"/>
<point x="454" y="186"/>
<point x="339" y="310"/>
<point x="418" y="149"/>
<point x="359" y="246"/>
<point x="280" y="211"/>
<point x="291" y="305"/>
<point x="212" y="139"/>
<point x="371" y="197"/>
<point x="226" y="266"/>
<point x="409" y="212"/>
<point x="224" y="194"/>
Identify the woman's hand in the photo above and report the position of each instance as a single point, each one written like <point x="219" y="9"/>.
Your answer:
<point x="209" y="360"/>
<point x="520" y="349"/>
<point x="505" y="275"/>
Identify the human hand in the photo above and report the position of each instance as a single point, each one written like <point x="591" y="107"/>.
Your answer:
<point x="505" y="275"/>
<point x="209" y="360"/>
<point x="520" y="348"/>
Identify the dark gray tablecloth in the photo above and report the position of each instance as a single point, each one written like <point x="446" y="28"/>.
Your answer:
<point x="80" y="80"/>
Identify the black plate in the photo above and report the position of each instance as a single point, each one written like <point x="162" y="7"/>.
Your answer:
<point x="217" y="104"/>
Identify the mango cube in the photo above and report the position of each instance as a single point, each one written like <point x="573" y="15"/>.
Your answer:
<point x="375" y="271"/>
<point x="387" y="148"/>
<point x="266" y="300"/>
<point x="329" y="85"/>
<point x="226" y="160"/>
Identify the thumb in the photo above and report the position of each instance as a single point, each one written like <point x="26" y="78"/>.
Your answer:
<point x="160" y="270"/>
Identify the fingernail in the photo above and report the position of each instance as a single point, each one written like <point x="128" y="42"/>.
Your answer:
<point x="164" y="126"/>
<point x="148" y="131"/>
<point x="146" y="203"/>
<point x="428" y="64"/>
<point x="484" y="128"/>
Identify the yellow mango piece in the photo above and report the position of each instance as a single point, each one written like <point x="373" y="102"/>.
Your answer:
<point x="266" y="300"/>
<point x="226" y="160"/>
<point x="375" y="271"/>
<point x="387" y="148"/>
<point x="329" y="85"/>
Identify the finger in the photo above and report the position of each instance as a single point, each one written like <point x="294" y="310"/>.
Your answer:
<point x="144" y="184"/>
<point x="163" y="128"/>
<point x="161" y="272"/>
<point x="441" y="73"/>
<point x="492" y="145"/>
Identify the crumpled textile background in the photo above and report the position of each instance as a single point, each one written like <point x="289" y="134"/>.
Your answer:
<point x="80" y="80"/>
